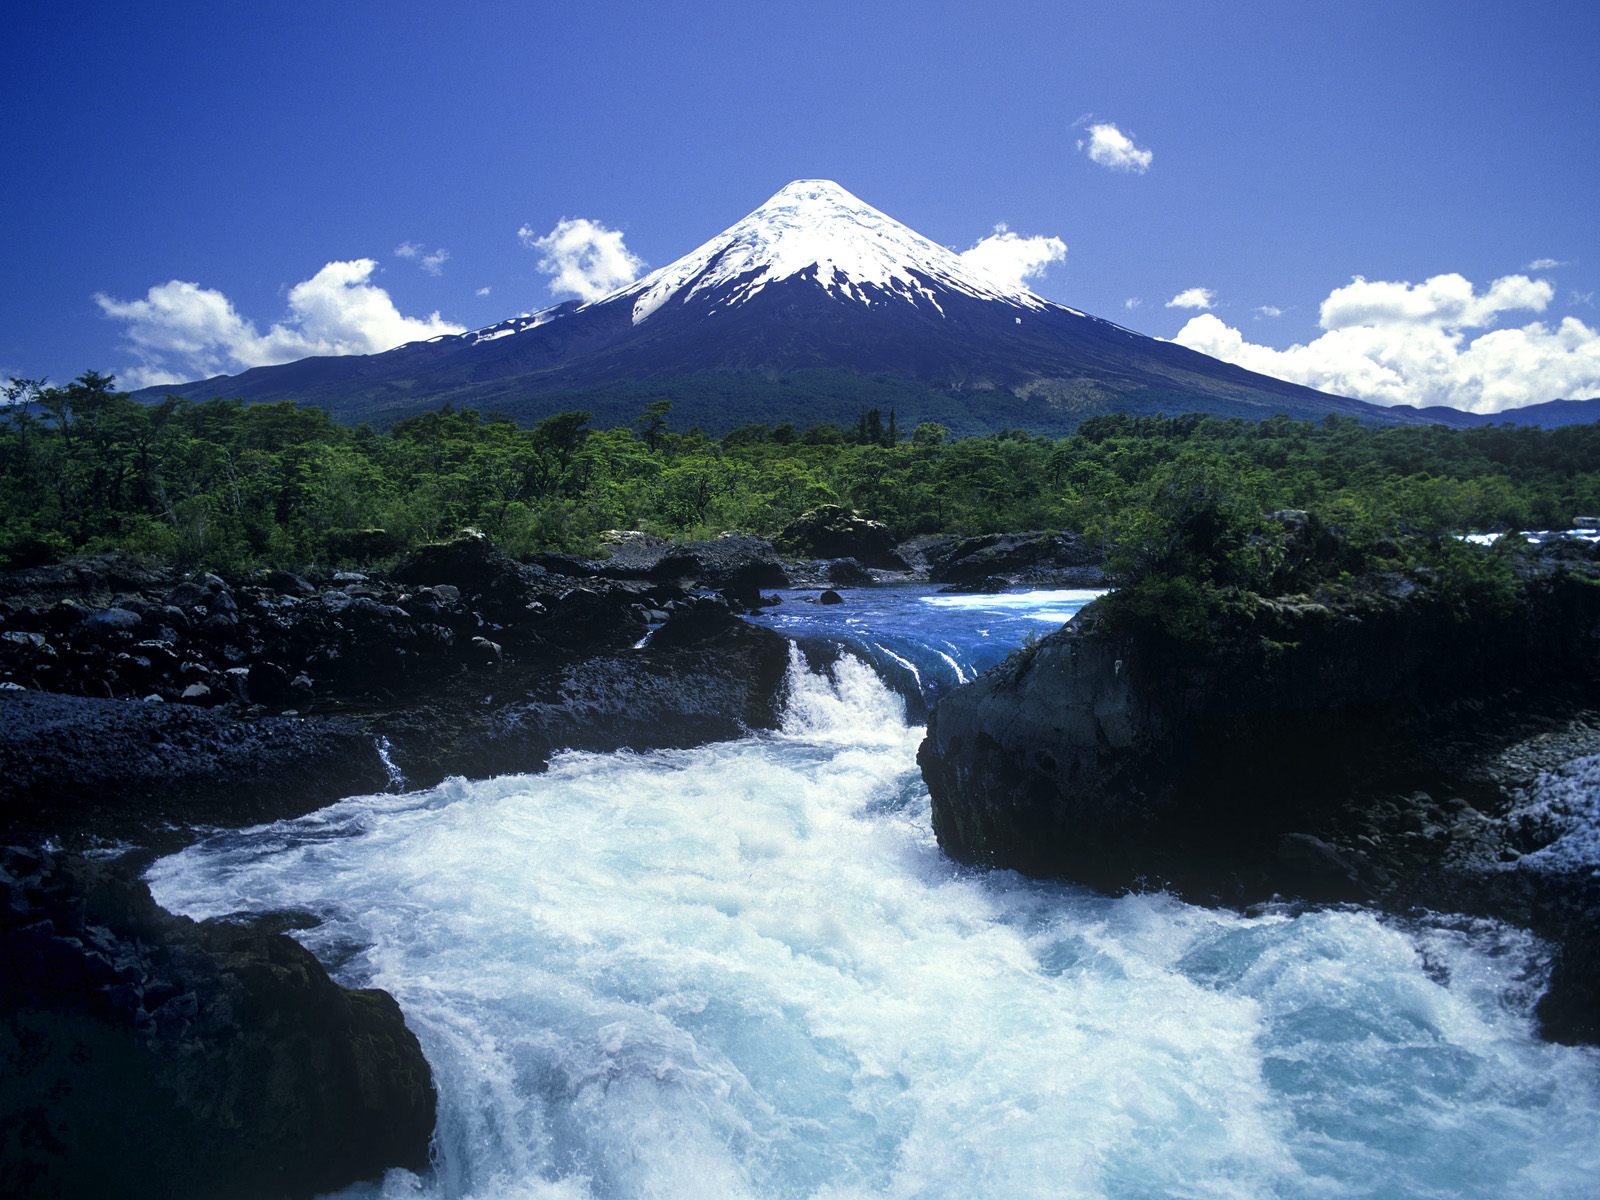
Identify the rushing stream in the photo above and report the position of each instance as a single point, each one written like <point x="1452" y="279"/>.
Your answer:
<point x="746" y="970"/>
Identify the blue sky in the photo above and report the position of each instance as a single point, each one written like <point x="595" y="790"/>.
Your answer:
<point x="1292" y="147"/>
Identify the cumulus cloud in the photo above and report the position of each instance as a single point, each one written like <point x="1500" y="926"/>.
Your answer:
<point x="1131" y="303"/>
<point x="431" y="261"/>
<point x="1195" y="297"/>
<point x="1445" y="300"/>
<point x="181" y="331"/>
<point x="1403" y="343"/>
<point x="1010" y="259"/>
<point x="1111" y="148"/>
<point x="483" y="291"/>
<point x="1546" y="264"/>
<point x="1268" y="310"/>
<point x="583" y="258"/>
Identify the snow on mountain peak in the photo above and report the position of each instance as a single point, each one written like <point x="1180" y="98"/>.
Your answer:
<point x="815" y="228"/>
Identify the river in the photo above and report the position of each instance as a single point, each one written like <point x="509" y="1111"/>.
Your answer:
<point x="746" y="970"/>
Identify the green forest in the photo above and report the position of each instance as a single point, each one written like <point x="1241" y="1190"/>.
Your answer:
<point x="227" y="485"/>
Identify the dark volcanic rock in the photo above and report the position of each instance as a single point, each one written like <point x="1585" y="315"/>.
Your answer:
<point x="703" y="676"/>
<point x="1367" y="743"/>
<point x="128" y="768"/>
<point x="435" y="659"/>
<point x="94" y="580"/>
<point x="847" y="572"/>
<point x="471" y="562"/>
<point x="735" y="564"/>
<point x="1054" y="559"/>
<point x="833" y="531"/>
<point x="143" y="1055"/>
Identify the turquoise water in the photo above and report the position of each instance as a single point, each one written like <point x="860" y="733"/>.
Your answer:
<point x="747" y="971"/>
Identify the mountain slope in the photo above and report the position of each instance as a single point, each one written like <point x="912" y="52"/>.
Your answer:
<point x="1551" y="414"/>
<point x="807" y="298"/>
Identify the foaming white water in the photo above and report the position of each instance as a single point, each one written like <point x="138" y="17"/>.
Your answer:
<point x="746" y="971"/>
<point x="1561" y="813"/>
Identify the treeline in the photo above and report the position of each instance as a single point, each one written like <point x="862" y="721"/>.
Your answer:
<point x="226" y="484"/>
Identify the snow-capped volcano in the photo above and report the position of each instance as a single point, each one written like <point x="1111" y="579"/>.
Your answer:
<point x="813" y="229"/>
<point x="810" y="308"/>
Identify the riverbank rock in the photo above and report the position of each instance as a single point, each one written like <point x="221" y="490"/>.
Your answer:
<point x="145" y="1055"/>
<point x="832" y="531"/>
<point x="1370" y="741"/>
<point x="208" y="701"/>
<point x="131" y="769"/>
<point x="702" y="676"/>
<point x="1065" y="560"/>
<point x="735" y="565"/>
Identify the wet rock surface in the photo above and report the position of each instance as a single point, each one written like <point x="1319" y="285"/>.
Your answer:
<point x="735" y="565"/>
<point x="1057" y="560"/>
<point x="1374" y="742"/>
<point x="144" y="772"/>
<point x="140" y="704"/>
<point x="198" y="700"/>
<point x="145" y="1055"/>
<point x="834" y="532"/>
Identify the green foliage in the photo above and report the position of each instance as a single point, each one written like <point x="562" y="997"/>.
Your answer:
<point x="224" y="484"/>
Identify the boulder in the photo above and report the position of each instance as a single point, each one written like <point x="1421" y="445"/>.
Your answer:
<point x="475" y="565"/>
<point x="832" y="531"/>
<point x="287" y="583"/>
<point x="848" y="572"/>
<point x="1366" y="742"/>
<point x="1054" y="559"/>
<point x="735" y="564"/>
<point x="145" y="1055"/>
<point x="111" y="622"/>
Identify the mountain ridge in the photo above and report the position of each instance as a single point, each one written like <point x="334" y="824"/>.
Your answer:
<point x="814" y="284"/>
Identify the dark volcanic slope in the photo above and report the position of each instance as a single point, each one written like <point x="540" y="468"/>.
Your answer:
<point x="811" y="307"/>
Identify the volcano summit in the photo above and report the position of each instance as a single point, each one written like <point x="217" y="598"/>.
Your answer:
<point x="812" y="307"/>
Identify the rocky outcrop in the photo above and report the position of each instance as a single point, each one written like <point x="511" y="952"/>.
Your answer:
<point x="735" y="565"/>
<point x="832" y="531"/>
<point x="1371" y="741"/>
<point x="702" y="676"/>
<point x="145" y="1055"/>
<point x="263" y="698"/>
<point x="131" y="770"/>
<point x="141" y="1054"/>
<point x="1039" y="559"/>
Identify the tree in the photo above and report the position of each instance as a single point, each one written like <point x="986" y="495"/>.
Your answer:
<point x="652" y="423"/>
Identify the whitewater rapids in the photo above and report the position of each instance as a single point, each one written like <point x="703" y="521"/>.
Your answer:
<point x="747" y="971"/>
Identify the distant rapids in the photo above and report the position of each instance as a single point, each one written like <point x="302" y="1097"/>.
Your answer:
<point x="747" y="971"/>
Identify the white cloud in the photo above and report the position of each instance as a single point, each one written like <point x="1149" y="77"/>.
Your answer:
<point x="1546" y="264"/>
<point x="1585" y="298"/>
<point x="583" y="258"/>
<point x="181" y="331"/>
<point x="1011" y="259"/>
<point x="1444" y="300"/>
<point x="1402" y="343"/>
<point x="431" y="261"/>
<point x="1268" y="310"/>
<point x="1131" y="303"/>
<point x="483" y="291"/>
<point x="1110" y="147"/>
<point x="1195" y="297"/>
